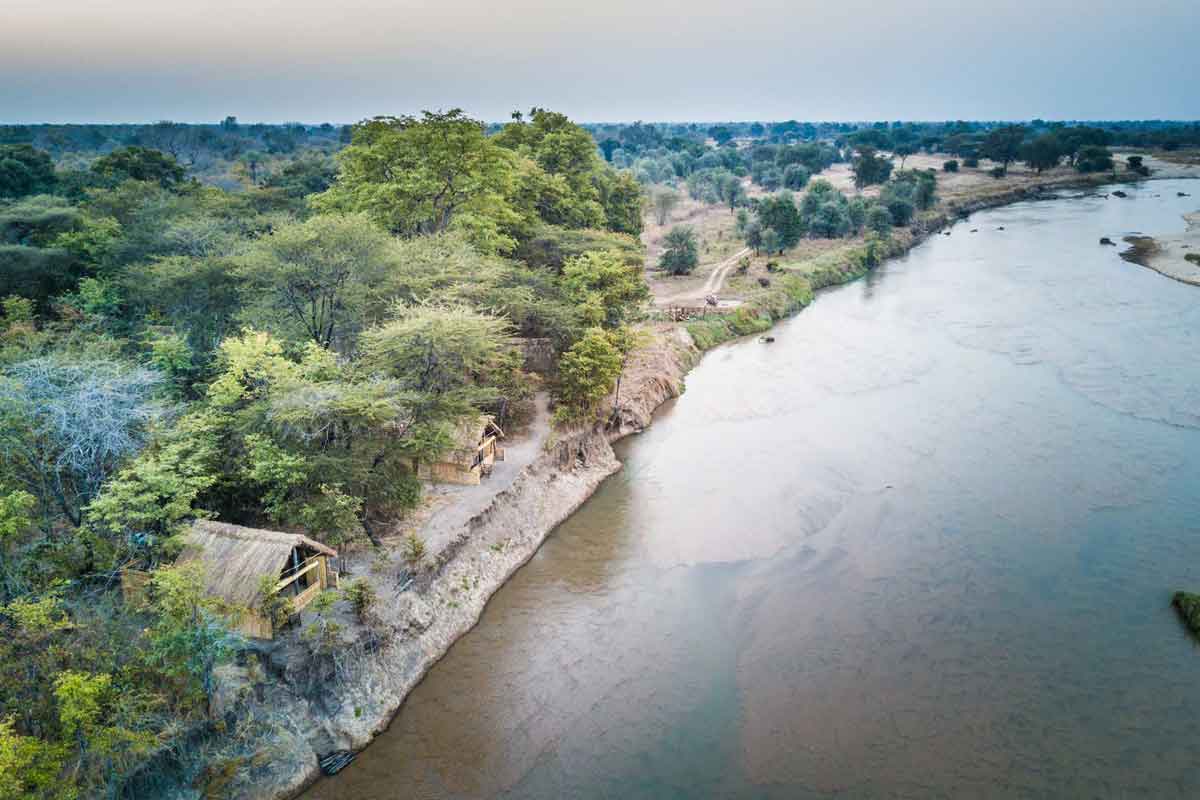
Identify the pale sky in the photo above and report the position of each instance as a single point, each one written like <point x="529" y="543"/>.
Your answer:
<point x="343" y="60"/>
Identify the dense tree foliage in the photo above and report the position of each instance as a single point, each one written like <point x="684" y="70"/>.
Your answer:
<point x="279" y="350"/>
<point x="24" y="170"/>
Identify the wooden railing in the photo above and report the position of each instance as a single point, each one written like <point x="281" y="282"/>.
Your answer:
<point x="312" y="590"/>
<point x="308" y="566"/>
<point x="304" y="598"/>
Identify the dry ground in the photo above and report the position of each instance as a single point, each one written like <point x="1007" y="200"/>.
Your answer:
<point x="720" y="245"/>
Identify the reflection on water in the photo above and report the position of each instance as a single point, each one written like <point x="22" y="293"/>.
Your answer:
<point x="922" y="546"/>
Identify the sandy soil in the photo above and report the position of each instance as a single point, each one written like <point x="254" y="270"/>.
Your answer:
<point x="1167" y="254"/>
<point x="719" y="242"/>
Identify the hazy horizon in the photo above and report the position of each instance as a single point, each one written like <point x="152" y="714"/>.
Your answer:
<point x="275" y="61"/>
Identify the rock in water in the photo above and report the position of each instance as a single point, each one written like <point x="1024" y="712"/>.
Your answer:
<point x="1119" y="193"/>
<point x="1106" y="240"/>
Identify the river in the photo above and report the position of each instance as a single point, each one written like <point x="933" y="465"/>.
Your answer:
<point x="921" y="546"/>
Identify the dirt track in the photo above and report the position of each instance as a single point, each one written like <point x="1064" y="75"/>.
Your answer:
<point x="716" y="279"/>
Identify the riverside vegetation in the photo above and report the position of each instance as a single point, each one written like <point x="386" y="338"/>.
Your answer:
<point x="197" y="327"/>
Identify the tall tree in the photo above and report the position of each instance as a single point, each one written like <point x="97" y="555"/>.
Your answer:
<point x="869" y="168"/>
<point x="323" y="279"/>
<point x="423" y="175"/>
<point x="1003" y="145"/>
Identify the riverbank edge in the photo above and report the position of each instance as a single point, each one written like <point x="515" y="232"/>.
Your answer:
<point x="420" y="626"/>
<point x="1163" y="253"/>
<point x="791" y="291"/>
<point x="571" y="468"/>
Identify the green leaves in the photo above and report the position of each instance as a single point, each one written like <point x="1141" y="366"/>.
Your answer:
<point x="608" y="290"/>
<point x="323" y="279"/>
<point x="681" y="254"/>
<point x="586" y="375"/>
<point x="420" y="175"/>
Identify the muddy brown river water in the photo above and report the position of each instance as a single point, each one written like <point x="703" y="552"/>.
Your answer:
<point x="921" y="546"/>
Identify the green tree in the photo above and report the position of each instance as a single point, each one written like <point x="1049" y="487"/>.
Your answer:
<point x="605" y="287"/>
<point x="681" y="253"/>
<point x="587" y="373"/>
<point x="24" y="171"/>
<point x="321" y="279"/>
<point x="140" y="164"/>
<point x="426" y="175"/>
<point x="779" y="213"/>
<point x="665" y="199"/>
<point x="795" y="176"/>
<point x="1003" y="145"/>
<point x="1043" y="153"/>
<point x="869" y="168"/>
<point x="879" y="219"/>
<point x="1094" y="158"/>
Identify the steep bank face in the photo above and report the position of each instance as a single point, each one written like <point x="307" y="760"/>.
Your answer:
<point x="311" y="707"/>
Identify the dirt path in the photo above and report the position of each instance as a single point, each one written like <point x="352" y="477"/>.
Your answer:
<point x="452" y="505"/>
<point x="716" y="279"/>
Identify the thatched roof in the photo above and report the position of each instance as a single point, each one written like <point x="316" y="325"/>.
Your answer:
<point x="237" y="558"/>
<point x="467" y="435"/>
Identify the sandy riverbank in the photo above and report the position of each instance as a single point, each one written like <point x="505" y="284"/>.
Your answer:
<point x="1176" y="256"/>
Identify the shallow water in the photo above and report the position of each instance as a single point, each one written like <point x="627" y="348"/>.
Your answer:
<point x="921" y="546"/>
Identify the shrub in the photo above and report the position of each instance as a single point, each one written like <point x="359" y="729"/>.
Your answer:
<point x="795" y="176"/>
<point x="1134" y="164"/>
<point x="414" y="550"/>
<point x="271" y="605"/>
<point x="361" y="595"/>
<point x="586" y="374"/>
<point x="971" y="162"/>
<point x="950" y="166"/>
<point x="998" y="172"/>
<point x="1094" y="158"/>
<point x="879" y="219"/>
<point x="681" y="255"/>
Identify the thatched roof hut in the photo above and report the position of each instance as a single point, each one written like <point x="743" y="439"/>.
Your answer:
<point x="474" y="451"/>
<point x="237" y="558"/>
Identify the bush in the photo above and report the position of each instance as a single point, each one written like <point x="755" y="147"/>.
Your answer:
<point x="971" y="162"/>
<point x="682" y="254"/>
<point x="997" y="172"/>
<point x="586" y="375"/>
<point x="795" y="176"/>
<point x="1094" y="158"/>
<point x="414" y="550"/>
<point x="879" y="219"/>
<point x="361" y="595"/>
<point x="271" y="605"/>
<point x="1134" y="164"/>
<point x="950" y="166"/>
